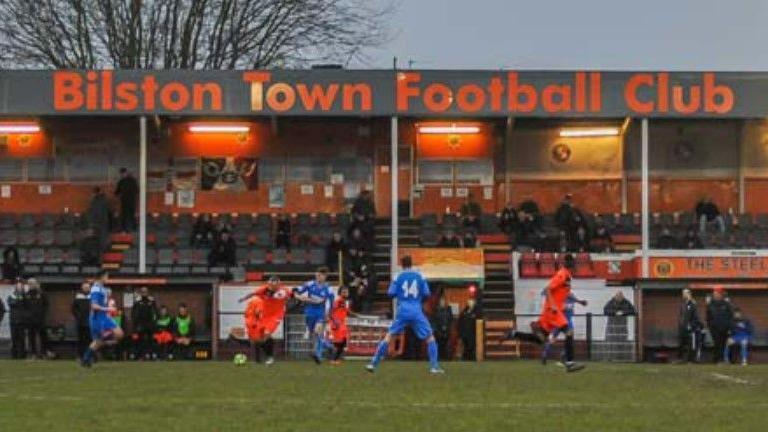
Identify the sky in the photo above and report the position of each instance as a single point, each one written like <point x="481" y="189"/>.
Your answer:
<point x="578" y="34"/>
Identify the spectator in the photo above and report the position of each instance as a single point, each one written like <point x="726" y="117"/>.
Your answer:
<point x="529" y="210"/>
<point x="127" y="192"/>
<point x="362" y="287"/>
<point x="617" y="310"/>
<point x="469" y="239"/>
<point x="283" y="232"/>
<point x="689" y="327"/>
<point x="365" y="227"/>
<point x="37" y="337"/>
<point x="143" y="317"/>
<point x="719" y="322"/>
<point x="470" y="213"/>
<point x="11" y="268"/>
<point x="363" y="205"/>
<point x="706" y="213"/>
<point x="509" y="222"/>
<point x="668" y="241"/>
<point x="224" y="251"/>
<point x="2" y="311"/>
<point x="449" y="240"/>
<point x="98" y="217"/>
<point x="356" y="240"/>
<point x="183" y="332"/>
<point x="442" y="322"/>
<point x="569" y="218"/>
<point x="163" y="336"/>
<point x="601" y="242"/>
<point x="18" y="311"/>
<point x="81" y="310"/>
<point x="202" y="231"/>
<point x="581" y="240"/>
<point x="741" y="335"/>
<point x="335" y="246"/>
<point x="692" y="239"/>
<point x="563" y="245"/>
<point x="90" y="248"/>
<point x="467" y="329"/>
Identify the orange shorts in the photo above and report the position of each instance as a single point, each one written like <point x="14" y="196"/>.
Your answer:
<point x="340" y="334"/>
<point x="552" y="320"/>
<point x="262" y="328"/>
<point x="163" y="337"/>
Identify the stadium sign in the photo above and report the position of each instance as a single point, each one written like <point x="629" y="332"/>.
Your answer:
<point x="709" y="267"/>
<point x="429" y="93"/>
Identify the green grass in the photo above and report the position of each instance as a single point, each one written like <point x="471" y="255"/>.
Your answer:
<point x="401" y="396"/>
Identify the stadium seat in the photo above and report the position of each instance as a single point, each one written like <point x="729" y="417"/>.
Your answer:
<point x="63" y="237"/>
<point x="131" y="257"/>
<point x="528" y="266"/>
<point x="72" y="256"/>
<point x="262" y="238"/>
<point x="54" y="256"/>
<point x="48" y="221"/>
<point x="323" y="220"/>
<point x="263" y="221"/>
<point x="279" y="256"/>
<point x="9" y="237"/>
<point x="303" y="220"/>
<point x="342" y="220"/>
<point x="7" y="221"/>
<point x="151" y="256"/>
<point x="428" y="220"/>
<point x="27" y="221"/>
<point x="316" y="256"/>
<point x="186" y="256"/>
<point x="241" y="237"/>
<point x="429" y="238"/>
<point x="35" y="256"/>
<point x="489" y="223"/>
<point x="45" y="238"/>
<point x="450" y="221"/>
<point x="257" y="257"/>
<point x="584" y="267"/>
<point x="27" y="238"/>
<point x="299" y="256"/>
<point x="547" y="264"/>
<point x="165" y="256"/>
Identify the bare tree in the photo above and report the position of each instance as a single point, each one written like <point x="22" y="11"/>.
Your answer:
<point x="188" y="34"/>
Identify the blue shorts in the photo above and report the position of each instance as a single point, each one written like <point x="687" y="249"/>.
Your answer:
<point x="100" y="326"/>
<point x="740" y="339"/>
<point x="569" y="317"/>
<point x="413" y="319"/>
<point x="312" y="320"/>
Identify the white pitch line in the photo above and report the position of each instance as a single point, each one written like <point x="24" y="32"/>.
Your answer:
<point x="733" y="379"/>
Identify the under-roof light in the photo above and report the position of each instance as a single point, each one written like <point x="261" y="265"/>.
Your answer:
<point x="589" y="132"/>
<point x="212" y="128"/>
<point x="453" y="129"/>
<point x="19" y="128"/>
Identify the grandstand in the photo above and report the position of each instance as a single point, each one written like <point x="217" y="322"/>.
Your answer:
<point x="432" y="147"/>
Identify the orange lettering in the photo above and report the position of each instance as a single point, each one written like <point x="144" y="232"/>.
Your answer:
<point x="67" y="95"/>
<point x="281" y="97"/>
<point x="362" y="89"/>
<point x="712" y="91"/>
<point x="318" y="95"/>
<point x="556" y="98"/>
<point x="126" y="96"/>
<point x="693" y="104"/>
<point x="470" y="98"/>
<point x="404" y="90"/>
<point x="515" y="91"/>
<point x="213" y="91"/>
<point x="257" y="80"/>
<point x="174" y="96"/>
<point x="630" y="93"/>
<point x="438" y="97"/>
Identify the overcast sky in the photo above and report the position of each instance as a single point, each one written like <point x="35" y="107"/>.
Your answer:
<point x="574" y="34"/>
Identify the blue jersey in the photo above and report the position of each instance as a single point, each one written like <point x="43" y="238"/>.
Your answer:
<point x="410" y="289"/>
<point x="741" y="329"/>
<point x="98" y="297"/>
<point x="317" y="291"/>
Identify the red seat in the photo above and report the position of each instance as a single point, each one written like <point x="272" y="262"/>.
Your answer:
<point x="528" y="266"/>
<point x="547" y="267"/>
<point x="584" y="267"/>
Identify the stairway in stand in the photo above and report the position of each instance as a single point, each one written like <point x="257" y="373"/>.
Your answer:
<point x="498" y="297"/>
<point x="382" y="305"/>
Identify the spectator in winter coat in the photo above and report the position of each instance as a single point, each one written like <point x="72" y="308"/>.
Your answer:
<point x="223" y="252"/>
<point x="442" y="322"/>
<point x="666" y="240"/>
<point x="283" y="232"/>
<point x="18" y="310"/>
<point x="143" y="316"/>
<point x="509" y="221"/>
<point x="81" y="309"/>
<point x="706" y="213"/>
<point x="11" y="268"/>
<point x="363" y="205"/>
<point x="470" y="213"/>
<point x="689" y="326"/>
<point x="692" y="240"/>
<point x="449" y="240"/>
<point x="617" y="310"/>
<point x="741" y="336"/>
<point x="203" y="232"/>
<point x="467" y="329"/>
<point x="719" y="322"/>
<point x="335" y="246"/>
<point x="98" y="216"/>
<point x="127" y="193"/>
<point x="602" y="241"/>
<point x="37" y="302"/>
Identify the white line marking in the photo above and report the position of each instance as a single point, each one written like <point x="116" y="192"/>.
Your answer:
<point x="733" y="379"/>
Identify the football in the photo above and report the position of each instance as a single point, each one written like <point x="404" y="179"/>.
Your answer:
<point x="240" y="359"/>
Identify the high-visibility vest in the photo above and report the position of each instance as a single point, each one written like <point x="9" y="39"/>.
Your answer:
<point x="183" y="324"/>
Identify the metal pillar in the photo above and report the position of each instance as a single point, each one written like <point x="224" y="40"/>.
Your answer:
<point x="142" y="194"/>
<point x="394" y="170"/>
<point x="645" y="215"/>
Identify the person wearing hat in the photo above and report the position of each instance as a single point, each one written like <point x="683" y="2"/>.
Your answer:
<point x="719" y="322"/>
<point x="224" y="251"/>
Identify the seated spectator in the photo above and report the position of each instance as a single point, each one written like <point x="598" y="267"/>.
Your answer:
<point x="365" y="226"/>
<point x="666" y="240"/>
<point x="601" y="242"/>
<point x="362" y="286"/>
<point x="706" y="213"/>
<point x="531" y="208"/>
<point x="11" y="268"/>
<point x="90" y="249"/>
<point x="741" y="336"/>
<point x="509" y="221"/>
<point x="202" y="232"/>
<point x="470" y="213"/>
<point x="568" y="217"/>
<point x="283" y="232"/>
<point x="163" y="335"/>
<point x="335" y="246"/>
<point x="529" y="233"/>
<point x="469" y="239"/>
<point x="357" y="240"/>
<point x="183" y="330"/>
<point x="223" y="252"/>
<point x="449" y="240"/>
<point x="363" y="205"/>
<point x="581" y="241"/>
<point x="692" y="239"/>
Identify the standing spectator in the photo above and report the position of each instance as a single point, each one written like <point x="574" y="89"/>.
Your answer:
<point x="163" y="335"/>
<point x="719" y="322"/>
<point x="202" y="231"/>
<point x="509" y="221"/>
<point x="183" y="330"/>
<point x="18" y="311"/>
<point x="363" y="205"/>
<point x="442" y="322"/>
<point x="617" y="310"/>
<point x="689" y="326"/>
<point x="143" y="317"/>
<point x="470" y="213"/>
<point x="283" y="232"/>
<point x="449" y="240"/>
<point x="467" y="329"/>
<point x="38" y="311"/>
<point x="332" y="250"/>
<point x="98" y="217"/>
<point x="741" y="335"/>
<point x="706" y="213"/>
<point x="224" y="251"/>
<point x="11" y="268"/>
<point x="127" y="192"/>
<point x="81" y="310"/>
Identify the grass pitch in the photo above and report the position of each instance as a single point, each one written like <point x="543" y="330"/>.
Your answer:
<point x="401" y="396"/>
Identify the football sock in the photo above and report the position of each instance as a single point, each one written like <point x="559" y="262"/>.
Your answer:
<point x="569" y="348"/>
<point x="88" y="355"/>
<point x="319" y="347"/>
<point x="339" y="350"/>
<point x="269" y="347"/>
<point x="381" y="352"/>
<point x="432" y="352"/>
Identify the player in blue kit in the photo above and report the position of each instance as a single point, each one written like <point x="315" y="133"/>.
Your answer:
<point x="318" y="297"/>
<point x="104" y="330"/>
<point x="410" y="289"/>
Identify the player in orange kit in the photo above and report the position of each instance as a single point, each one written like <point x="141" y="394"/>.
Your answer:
<point x="553" y="316"/>
<point x="338" y="324"/>
<point x="264" y="314"/>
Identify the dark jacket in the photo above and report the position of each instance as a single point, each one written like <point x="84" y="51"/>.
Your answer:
<point x="18" y="308"/>
<point x="452" y="242"/>
<point x="689" y="317"/>
<point x="38" y="308"/>
<point x="11" y="268"/>
<point x="143" y="314"/>
<point x="508" y="221"/>
<point x="127" y="190"/>
<point x="442" y="320"/>
<point x="624" y="306"/>
<point x="708" y="209"/>
<point x="2" y="310"/>
<point x="719" y="315"/>
<point x="81" y="309"/>
<point x="467" y="321"/>
<point x="223" y="252"/>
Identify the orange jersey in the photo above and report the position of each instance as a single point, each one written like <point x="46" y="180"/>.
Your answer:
<point x="559" y="289"/>
<point x="339" y="313"/>
<point x="253" y="311"/>
<point x="273" y="301"/>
